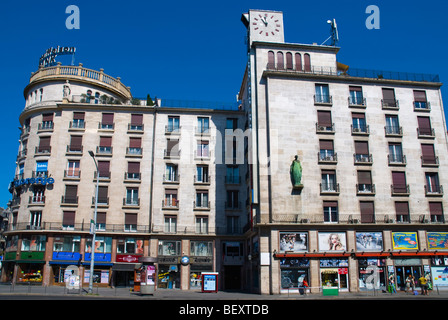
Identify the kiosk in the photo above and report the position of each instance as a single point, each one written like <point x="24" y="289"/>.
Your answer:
<point x="148" y="275"/>
<point x="210" y="282"/>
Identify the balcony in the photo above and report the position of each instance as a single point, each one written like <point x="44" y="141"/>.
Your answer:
<point x="73" y="150"/>
<point x="426" y="133"/>
<point x="327" y="157"/>
<point x="72" y="174"/>
<point x="393" y="131"/>
<point x="77" y="125"/>
<point x="171" y="154"/>
<point x="434" y="191"/>
<point x="202" y="179"/>
<point x="131" y="202"/>
<point x="325" y="129"/>
<point x="390" y="104"/>
<point x="42" y="151"/>
<point x="69" y="200"/>
<point x="330" y="188"/>
<point x="135" y="128"/>
<point x="37" y="200"/>
<point x="363" y="159"/>
<point x="360" y="130"/>
<point x="202" y="205"/>
<point x="104" y="151"/>
<point x="170" y="204"/>
<point x="396" y="160"/>
<point x="132" y="177"/>
<point x="357" y="102"/>
<point x="134" y="152"/>
<point x="47" y="126"/>
<point x="323" y="100"/>
<point x="106" y="126"/>
<point x="365" y="189"/>
<point x="422" y="106"/>
<point x="170" y="129"/>
<point x="102" y="202"/>
<point x="430" y="161"/>
<point x="171" y="178"/>
<point x="400" y="190"/>
<point x="103" y="176"/>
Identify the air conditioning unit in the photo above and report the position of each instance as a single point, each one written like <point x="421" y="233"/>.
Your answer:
<point x="321" y="128"/>
<point x="423" y="219"/>
<point x="356" y="130"/>
<point x="305" y="220"/>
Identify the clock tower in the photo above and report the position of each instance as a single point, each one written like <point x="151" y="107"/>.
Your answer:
<point x="263" y="25"/>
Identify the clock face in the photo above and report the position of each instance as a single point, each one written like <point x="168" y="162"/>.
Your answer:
<point x="266" y="24"/>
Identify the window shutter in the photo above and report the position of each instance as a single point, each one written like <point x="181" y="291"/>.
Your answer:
<point x="424" y="125"/>
<point x="102" y="194"/>
<point x="326" y="144"/>
<point x="435" y="208"/>
<point x="78" y="115"/>
<point x="289" y="60"/>
<point x="307" y="62"/>
<point x="367" y="211"/>
<point x="105" y="141"/>
<point x="68" y="218"/>
<point x="419" y="96"/>
<point x="101" y="217"/>
<point x="402" y="208"/>
<point x="361" y="147"/>
<point x="130" y="218"/>
<point x="75" y="143"/>
<point x="324" y="118"/>
<point x="47" y="117"/>
<point x="136" y="119"/>
<point x="388" y="94"/>
<point x="298" y="57"/>
<point x="364" y="177"/>
<point x="428" y="153"/>
<point x="108" y="118"/>
<point x="103" y="168"/>
<point x="358" y="116"/>
<point x="271" y="60"/>
<point x="135" y="142"/>
<point x="280" y="62"/>
<point x="134" y="167"/>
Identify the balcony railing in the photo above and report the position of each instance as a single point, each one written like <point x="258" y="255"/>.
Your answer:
<point x="366" y="159"/>
<point x="356" y="218"/>
<point x="400" y="190"/>
<point x="325" y="128"/>
<point x="327" y="157"/>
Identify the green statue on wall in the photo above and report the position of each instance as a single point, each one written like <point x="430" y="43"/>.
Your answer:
<point x="296" y="173"/>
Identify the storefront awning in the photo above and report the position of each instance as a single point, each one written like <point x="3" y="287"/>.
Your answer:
<point x="312" y="255"/>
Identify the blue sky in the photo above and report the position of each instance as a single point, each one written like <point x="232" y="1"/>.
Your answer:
<point x="195" y="50"/>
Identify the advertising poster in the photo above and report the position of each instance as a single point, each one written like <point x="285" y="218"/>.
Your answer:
<point x="404" y="240"/>
<point x="437" y="240"/>
<point x="293" y="241"/>
<point x="439" y="276"/>
<point x="369" y="241"/>
<point x="332" y="241"/>
<point x="209" y="282"/>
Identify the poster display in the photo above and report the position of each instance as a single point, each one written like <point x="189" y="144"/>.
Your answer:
<point x="404" y="240"/>
<point x="369" y="241"/>
<point x="437" y="240"/>
<point x="332" y="241"/>
<point x="293" y="241"/>
<point x="439" y="276"/>
<point x="210" y="282"/>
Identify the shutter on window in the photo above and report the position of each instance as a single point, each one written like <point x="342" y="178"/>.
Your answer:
<point x="78" y="115"/>
<point x="101" y="217"/>
<point x="364" y="177"/>
<point x="68" y="218"/>
<point x="105" y="141"/>
<point x="435" y="208"/>
<point x="402" y="208"/>
<point x="326" y="144"/>
<point x="361" y="147"/>
<point x="324" y="118"/>
<point x="75" y="143"/>
<point x="108" y="118"/>
<point x="428" y="153"/>
<point x="135" y="142"/>
<point x="133" y="167"/>
<point x="419" y="96"/>
<point x="298" y="57"/>
<point x="367" y="211"/>
<point x="289" y="60"/>
<point x="47" y="117"/>
<point x="307" y="62"/>
<point x="130" y="218"/>
<point x="136" y="119"/>
<point x="424" y="125"/>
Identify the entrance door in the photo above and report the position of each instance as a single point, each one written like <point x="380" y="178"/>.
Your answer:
<point x="232" y="278"/>
<point x="404" y="272"/>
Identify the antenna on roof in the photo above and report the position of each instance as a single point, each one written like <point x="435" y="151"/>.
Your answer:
<point x="334" y="36"/>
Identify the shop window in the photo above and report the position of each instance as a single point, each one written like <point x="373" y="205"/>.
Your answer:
<point x="130" y="246"/>
<point x="67" y="244"/>
<point x="102" y="245"/>
<point x="169" y="248"/>
<point x="35" y="220"/>
<point x="201" y="248"/>
<point x="34" y="243"/>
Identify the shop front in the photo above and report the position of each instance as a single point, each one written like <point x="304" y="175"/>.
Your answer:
<point x="123" y="270"/>
<point x="294" y="272"/>
<point x="367" y="279"/>
<point x="201" y="261"/>
<point x="169" y="264"/>
<point x="334" y="274"/>
<point x="59" y="263"/>
<point x="405" y="267"/>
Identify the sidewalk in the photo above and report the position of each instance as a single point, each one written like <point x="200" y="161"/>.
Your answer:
<point x="170" y="294"/>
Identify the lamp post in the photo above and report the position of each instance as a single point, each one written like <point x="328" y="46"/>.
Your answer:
<point x="93" y="231"/>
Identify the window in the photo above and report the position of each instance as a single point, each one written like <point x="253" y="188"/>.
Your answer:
<point x="399" y="183"/>
<point x="133" y="171"/>
<point x="326" y="152"/>
<point x="232" y="199"/>
<point x="298" y="58"/>
<point x="105" y="146"/>
<point x="402" y="211"/>
<point x="271" y="60"/>
<point x="202" y="199"/>
<point x="367" y="211"/>
<point x="104" y="169"/>
<point x="71" y="194"/>
<point x="47" y="121"/>
<point x="392" y="125"/>
<point x="171" y="199"/>
<point x="432" y="183"/>
<point x="330" y="211"/>
<point x="38" y="194"/>
<point x="103" y="199"/>
<point x="324" y="122"/>
<point x="201" y="225"/>
<point x="201" y="248"/>
<point x="44" y="145"/>
<point x="307" y="62"/>
<point x="78" y="120"/>
<point x="172" y="149"/>
<point x="130" y="222"/>
<point x="328" y="181"/>
<point x="203" y="125"/>
<point x="35" y="219"/>
<point x="132" y="196"/>
<point x="289" y="60"/>
<point x="362" y="152"/>
<point x="75" y="144"/>
<point x="171" y="174"/>
<point x="424" y="127"/>
<point x="136" y="122"/>
<point x="233" y="175"/>
<point x="202" y="149"/>
<point x="389" y="98"/>
<point x="322" y="94"/>
<point x="73" y="169"/>
<point x="67" y="244"/>
<point x="88" y="96"/>
<point x="359" y="123"/>
<point x="420" y="102"/>
<point x="428" y="155"/>
<point x="107" y="121"/>
<point x="396" y="153"/>
<point x="130" y="246"/>
<point x="356" y="96"/>
<point x="436" y="212"/>
<point x="34" y="243"/>
<point x="202" y="174"/>
<point x="233" y="224"/>
<point x="232" y="123"/>
<point x="169" y="248"/>
<point x="101" y="221"/>
<point x="41" y="169"/>
<point x="135" y="146"/>
<point x="173" y="124"/>
<point x="68" y="220"/>
<point x="365" y="182"/>
<point x="102" y="244"/>
<point x="280" y="61"/>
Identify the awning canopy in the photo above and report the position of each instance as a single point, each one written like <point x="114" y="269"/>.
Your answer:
<point x="126" y="266"/>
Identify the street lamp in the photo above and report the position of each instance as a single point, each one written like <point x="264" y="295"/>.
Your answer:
<point x="93" y="229"/>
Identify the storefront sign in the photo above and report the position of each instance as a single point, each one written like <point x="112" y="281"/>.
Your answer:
<point x="66" y="256"/>
<point x="404" y="240"/>
<point x="99" y="257"/>
<point x="438" y="240"/>
<point x="168" y="260"/>
<point x="130" y="258"/>
<point x="40" y="180"/>
<point x="185" y="260"/>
